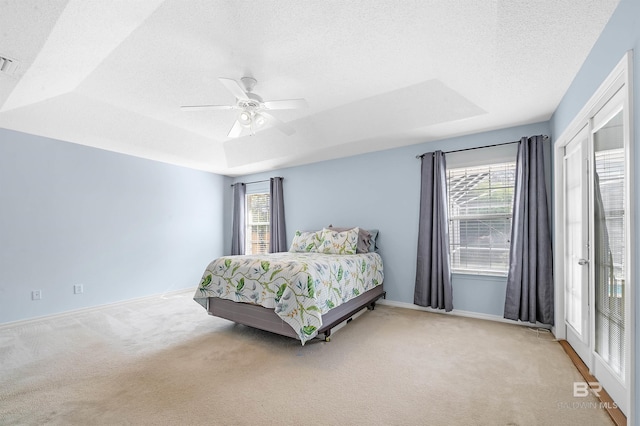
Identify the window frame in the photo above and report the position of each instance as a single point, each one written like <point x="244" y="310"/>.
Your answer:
<point x="260" y="188"/>
<point x="508" y="165"/>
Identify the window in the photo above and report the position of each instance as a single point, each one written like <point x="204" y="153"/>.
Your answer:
<point x="610" y="243"/>
<point x="480" y="211"/>
<point x="258" y="223"/>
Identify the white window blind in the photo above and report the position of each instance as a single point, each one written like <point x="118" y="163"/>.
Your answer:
<point x="258" y="223"/>
<point x="480" y="212"/>
<point x="610" y="245"/>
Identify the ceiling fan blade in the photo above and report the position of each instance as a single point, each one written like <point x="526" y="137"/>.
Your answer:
<point x="281" y="125"/>
<point x="236" y="130"/>
<point x="200" y="107"/>
<point x="286" y="104"/>
<point x="234" y="87"/>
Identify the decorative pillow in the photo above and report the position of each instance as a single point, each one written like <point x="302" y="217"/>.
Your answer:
<point x="373" y="247"/>
<point x="305" y="242"/>
<point x="364" y="238"/>
<point x="334" y="242"/>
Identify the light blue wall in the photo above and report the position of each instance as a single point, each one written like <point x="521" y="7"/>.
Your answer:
<point x="121" y="226"/>
<point x="381" y="190"/>
<point x="621" y="34"/>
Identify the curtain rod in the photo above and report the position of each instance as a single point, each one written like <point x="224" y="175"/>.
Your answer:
<point x="258" y="181"/>
<point x="469" y="149"/>
<point x="545" y="137"/>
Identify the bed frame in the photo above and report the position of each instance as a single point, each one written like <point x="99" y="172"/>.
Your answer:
<point x="266" y="319"/>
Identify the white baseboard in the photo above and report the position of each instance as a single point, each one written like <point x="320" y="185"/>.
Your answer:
<point x="95" y="308"/>
<point x="457" y="312"/>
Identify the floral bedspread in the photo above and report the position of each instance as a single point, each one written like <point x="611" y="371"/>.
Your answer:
<point x="299" y="286"/>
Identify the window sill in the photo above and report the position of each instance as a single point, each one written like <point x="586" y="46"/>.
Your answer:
<point x="487" y="274"/>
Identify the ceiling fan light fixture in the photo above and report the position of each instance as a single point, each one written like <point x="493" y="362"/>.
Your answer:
<point x="259" y="120"/>
<point x="252" y="111"/>
<point x="245" y="118"/>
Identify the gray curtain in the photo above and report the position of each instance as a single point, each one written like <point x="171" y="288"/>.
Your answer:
<point x="433" y="268"/>
<point x="530" y="282"/>
<point x="237" y="221"/>
<point x="278" y="235"/>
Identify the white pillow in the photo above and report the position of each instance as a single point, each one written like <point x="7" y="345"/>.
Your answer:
<point x="335" y="242"/>
<point x="306" y="242"/>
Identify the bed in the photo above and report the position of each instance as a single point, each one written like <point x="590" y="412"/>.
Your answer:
<point x="325" y="278"/>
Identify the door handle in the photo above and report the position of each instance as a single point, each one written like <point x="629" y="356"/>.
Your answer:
<point x="582" y="262"/>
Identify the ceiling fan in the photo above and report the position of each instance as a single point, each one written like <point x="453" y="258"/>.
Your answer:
<point x="252" y="109"/>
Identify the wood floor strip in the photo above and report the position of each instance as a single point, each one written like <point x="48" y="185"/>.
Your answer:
<point x="616" y="415"/>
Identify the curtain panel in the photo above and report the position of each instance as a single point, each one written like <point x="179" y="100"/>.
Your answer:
<point x="529" y="295"/>
<point x="238" y="219"/>
<point x="278" y="234"/>
<point x="433" y="266"/>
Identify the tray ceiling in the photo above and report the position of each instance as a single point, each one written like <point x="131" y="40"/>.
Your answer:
<point x="377" y="75"/>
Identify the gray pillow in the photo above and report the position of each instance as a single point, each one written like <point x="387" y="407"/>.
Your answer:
<point x="374" y="235"/>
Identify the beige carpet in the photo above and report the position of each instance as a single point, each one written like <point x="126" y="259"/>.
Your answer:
<point x="164" y="361"/>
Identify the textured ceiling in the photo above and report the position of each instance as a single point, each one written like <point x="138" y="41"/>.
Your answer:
<point x="376" y="74"/>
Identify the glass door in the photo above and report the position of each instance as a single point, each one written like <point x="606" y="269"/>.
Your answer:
<point x="576" y="225"/>
<point x="610" y="251"/>
<point x="595" y="238"/>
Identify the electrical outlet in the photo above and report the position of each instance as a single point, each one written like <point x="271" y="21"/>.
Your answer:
<point x="78" y="289"/>
<point x="36" y="295"/>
